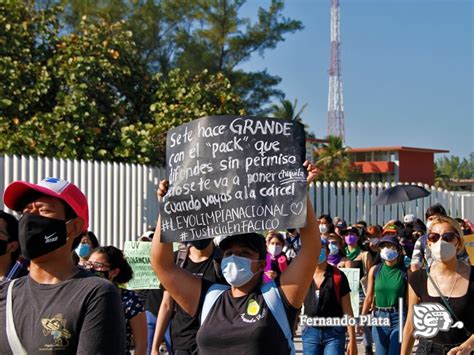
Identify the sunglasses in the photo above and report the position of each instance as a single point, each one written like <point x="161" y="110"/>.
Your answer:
<point x="447" y="237"/>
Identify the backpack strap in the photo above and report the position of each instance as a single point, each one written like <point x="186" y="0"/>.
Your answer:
<point x="275" y="304"/>
<point x="212" y="295"/>
<point x="13" y="340"/>
<point x="182" y="255"/>
<point x="337" y="279"/>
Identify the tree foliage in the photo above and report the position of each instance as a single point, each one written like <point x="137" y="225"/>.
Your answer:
<point x="453" y="168"/>
<point x="288" y="110"/>
<point x="333" y="161"/>
<point x="197" y="35"/>
<point x="88" y="94"/>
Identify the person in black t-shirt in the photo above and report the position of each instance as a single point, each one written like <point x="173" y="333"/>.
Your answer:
<point x="240" y="320"/>
<point x="201" y="258"/>
<point x="329" y="284"/>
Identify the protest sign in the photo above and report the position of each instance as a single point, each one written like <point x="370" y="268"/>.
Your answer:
<point x="232" y="175"/>
<point x="469" y="243"/>
<point x="353" y="275"/>
<point x="138" y="256"/>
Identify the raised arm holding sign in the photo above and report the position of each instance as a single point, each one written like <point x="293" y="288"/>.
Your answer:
<point x="243" y="252"/>
<point x="233" y="175"/>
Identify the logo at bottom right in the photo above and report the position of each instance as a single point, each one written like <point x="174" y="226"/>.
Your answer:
<point x="430" y="318"/>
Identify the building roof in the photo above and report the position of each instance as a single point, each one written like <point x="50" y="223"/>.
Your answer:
<point x="397" y="149"/>
<point x="316" y="140"/>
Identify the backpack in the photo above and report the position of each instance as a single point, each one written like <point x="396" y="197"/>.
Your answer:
<point x="272" y="299"/>
<point x="183" y="253"/>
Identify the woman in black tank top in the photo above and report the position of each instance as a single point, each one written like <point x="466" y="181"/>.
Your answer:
<point x="240" y="321"/>
<point x="440" y="305"/>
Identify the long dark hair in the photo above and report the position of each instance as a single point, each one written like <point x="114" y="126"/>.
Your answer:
<point x="12" y="230"/>
<point x="116" y="260"/>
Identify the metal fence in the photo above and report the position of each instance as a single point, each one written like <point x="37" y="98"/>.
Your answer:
<point x="123" y="204"/>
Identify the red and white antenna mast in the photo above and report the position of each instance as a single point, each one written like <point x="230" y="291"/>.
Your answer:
<point x="335" y="99"/>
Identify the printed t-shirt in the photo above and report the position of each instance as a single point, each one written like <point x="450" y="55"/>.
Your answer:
<point x="82" y="315"/>
<point x="243" y="325"/>
<point x="132" y="306"/>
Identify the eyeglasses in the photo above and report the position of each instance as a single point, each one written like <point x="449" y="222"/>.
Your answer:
<point x="95" y="265"/>
<point x="447" y="237"/>
<point x="332" y="242"/>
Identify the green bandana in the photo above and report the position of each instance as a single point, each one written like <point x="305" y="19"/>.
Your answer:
<point x="351" y="255"/>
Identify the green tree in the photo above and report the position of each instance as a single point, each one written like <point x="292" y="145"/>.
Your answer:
<point x="288" y="110"/>
<point x="88" y="94"/>
<point x="75" y="92"/>
<point x="178" y="100"/>
<point x="455" y="168"/>
<point x="333" y="161"/>
<point x="199" y="35"/>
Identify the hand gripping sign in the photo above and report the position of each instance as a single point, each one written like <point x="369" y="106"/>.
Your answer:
<point x="233" y="175"/>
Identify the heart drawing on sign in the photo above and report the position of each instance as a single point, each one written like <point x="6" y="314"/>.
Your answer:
<point x="296" y="208"/>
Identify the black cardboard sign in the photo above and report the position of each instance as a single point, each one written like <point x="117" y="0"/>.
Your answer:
<point x="232" y="175"/>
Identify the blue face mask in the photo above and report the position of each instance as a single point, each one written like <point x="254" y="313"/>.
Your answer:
<point x="237" y="270"/>
<point x="83" y="250"/>
<point x="322" y="256"/>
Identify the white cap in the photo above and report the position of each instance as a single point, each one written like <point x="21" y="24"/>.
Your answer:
<point x="409" y="219"/>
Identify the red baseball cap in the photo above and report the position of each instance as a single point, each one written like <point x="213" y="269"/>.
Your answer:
<point x="17" y="192"/>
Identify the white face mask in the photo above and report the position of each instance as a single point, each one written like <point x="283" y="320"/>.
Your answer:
<point x="323" y="228"/>
<point x="442" y="251"/>
<point x="275" y="249"/>
<point x="388" y="254"/>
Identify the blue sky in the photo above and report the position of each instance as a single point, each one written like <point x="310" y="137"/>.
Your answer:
<point x="407" y="68"/>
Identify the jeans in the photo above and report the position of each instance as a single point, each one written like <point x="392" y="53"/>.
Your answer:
<point x="151" y="325"/>
<point x="323" y="340"/>
<point x="427" y="347"/>
<point x="387" y="338"/>
<point x="367" y="339"/>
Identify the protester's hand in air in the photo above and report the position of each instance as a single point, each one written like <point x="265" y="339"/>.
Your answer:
<point x="162" y="189"/>
<point x="312" y="171"/>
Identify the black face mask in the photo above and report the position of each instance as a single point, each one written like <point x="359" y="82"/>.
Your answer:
<point x="40" y="235"/>
<point x="102" y="274"/>
<point x="201" y="244"/>
<point x="3" y="247"/>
